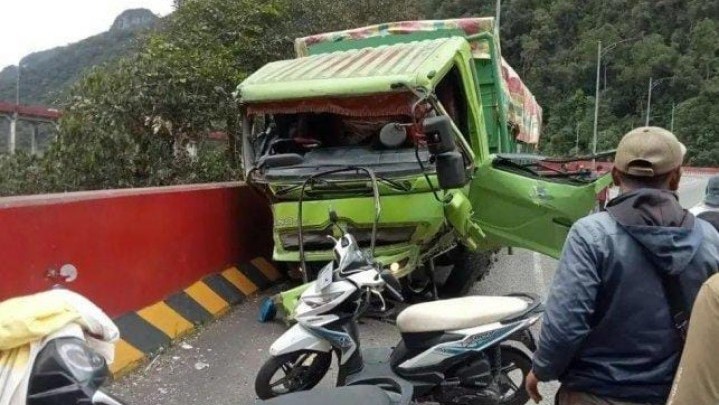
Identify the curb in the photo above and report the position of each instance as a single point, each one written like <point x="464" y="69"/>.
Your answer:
<point x="144" y="332"/>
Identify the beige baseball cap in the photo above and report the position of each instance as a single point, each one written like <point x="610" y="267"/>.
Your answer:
<point x="649" y="152"/>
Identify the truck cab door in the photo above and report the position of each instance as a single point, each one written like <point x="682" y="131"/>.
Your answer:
<point x="516" y="206"/>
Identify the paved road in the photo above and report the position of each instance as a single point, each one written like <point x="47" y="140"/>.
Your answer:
<point x="218" y="365"/>
<point x="692" y="189"/>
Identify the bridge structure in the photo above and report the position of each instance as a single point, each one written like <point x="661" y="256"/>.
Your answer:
<point x="33" y="114"/>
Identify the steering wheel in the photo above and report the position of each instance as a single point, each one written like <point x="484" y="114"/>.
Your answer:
<point x="291" y="145"/>
<point x="307" y="143"/>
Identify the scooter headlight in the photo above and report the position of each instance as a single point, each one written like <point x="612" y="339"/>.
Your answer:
<point x="80" y="360"/>
<point x="66" y="371"/>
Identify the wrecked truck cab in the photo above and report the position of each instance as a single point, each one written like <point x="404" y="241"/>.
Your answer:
<point x="292" y="132"/>
<point x="380" y="102"/>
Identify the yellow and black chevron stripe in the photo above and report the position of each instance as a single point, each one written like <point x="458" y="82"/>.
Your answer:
<point x="145" y="331"/>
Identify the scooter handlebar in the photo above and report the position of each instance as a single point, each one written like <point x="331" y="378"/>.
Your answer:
<point x="392" y="285"/>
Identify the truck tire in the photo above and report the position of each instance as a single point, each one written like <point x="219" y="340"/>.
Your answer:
<point x="468" y="268"/>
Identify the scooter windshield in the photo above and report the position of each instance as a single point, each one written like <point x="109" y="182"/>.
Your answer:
<point x="351" y="257"/>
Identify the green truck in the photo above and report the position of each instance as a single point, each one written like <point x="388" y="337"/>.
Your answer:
<point x="444" y="124"/>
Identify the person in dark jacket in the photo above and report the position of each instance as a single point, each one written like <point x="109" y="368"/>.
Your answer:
<point x="708" y="210"/>
<point x="608" y="334"/>
<point x="697" y="379"/>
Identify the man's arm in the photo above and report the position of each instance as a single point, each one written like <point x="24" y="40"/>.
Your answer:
<point x="697" y="379"/>
<point x="570" y="304"/>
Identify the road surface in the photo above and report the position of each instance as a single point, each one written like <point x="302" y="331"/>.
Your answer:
<point x="218" y="365"/>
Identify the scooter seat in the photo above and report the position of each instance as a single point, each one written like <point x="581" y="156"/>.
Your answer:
<point x="351" y="395"/>
<point x="458" y="313"/>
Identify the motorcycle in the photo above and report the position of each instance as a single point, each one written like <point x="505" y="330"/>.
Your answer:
<point x="470" y="350"/>
<point x="67" y="371"/>
<point x="54" y="350"/>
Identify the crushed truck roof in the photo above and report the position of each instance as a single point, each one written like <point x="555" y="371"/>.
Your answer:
<point x="522" y="108"/>
<point x="364" y="61"/>
<point x="354" y="71"/>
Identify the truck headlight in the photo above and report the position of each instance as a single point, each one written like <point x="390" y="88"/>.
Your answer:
<point x="397" y="267"/>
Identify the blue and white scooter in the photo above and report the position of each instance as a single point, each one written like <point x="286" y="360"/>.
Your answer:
<point x="471" y="350"/>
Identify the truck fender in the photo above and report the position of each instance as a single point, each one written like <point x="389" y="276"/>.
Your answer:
<point x="298" y="338"/>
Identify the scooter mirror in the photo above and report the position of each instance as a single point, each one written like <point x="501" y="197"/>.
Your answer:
<point x="334" y="218"/>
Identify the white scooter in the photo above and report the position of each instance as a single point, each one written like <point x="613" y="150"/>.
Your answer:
<point x="471" y="350"/>
<point x="68" y="372"/>
<point x="55" y="349"/>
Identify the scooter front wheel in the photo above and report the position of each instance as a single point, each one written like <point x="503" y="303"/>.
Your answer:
<point x="291" y="372"/>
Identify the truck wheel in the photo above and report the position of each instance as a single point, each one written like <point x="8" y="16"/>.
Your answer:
<point x="468" y="268"/>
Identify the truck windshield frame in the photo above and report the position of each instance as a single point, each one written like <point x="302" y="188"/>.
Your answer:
<point x="310" y="140"/>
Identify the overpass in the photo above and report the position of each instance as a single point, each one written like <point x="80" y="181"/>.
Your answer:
<point x="35" y="115"/>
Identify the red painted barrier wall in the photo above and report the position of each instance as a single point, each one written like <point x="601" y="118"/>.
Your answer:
<point x="702" y="170"/>
<point x="131" y="247"/>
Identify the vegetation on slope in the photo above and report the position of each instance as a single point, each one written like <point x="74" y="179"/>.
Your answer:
<point x="126" y="123"/>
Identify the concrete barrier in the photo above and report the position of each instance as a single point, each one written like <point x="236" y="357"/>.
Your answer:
<point x="708" y="171"/>
<point x="158" y="260"/>
<point x="146" y="331"/>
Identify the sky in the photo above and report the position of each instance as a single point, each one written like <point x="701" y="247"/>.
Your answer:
<point x="29" y="26"/>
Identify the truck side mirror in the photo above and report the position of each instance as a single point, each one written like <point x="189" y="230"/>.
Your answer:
<point x="450" y="170"/>
<point x="438" y="131"/>
<point x="440" y="143"/>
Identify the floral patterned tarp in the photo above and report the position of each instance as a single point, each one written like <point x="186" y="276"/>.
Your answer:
<point x="523" y="111"/>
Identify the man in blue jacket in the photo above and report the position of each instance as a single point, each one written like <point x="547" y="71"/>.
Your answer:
<point x="608" y="334"/>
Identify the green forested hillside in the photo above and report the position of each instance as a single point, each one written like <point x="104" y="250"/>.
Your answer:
<point x="553" y="44"/>
<point x="125" y="122"/>
<point x="45" y="75"/>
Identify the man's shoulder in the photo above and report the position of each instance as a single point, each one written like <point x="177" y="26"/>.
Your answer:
<point x="713" y="284"/>
<point x="596" y="225"/>
<point x="708" y="229"/>
<point x="709" y="248"/>
<point x="710" y="217"/>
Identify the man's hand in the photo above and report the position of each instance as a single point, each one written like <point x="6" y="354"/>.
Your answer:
<point x="532" y="387"/>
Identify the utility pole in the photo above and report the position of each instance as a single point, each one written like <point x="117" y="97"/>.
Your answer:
<point x="673" y="109"/>
<point x="17" y="84"/>
<point x="497" y="17"/>
<point x="649" y="102"/>
<point x="600" y="53"/>
<point x="13" y="120"/>
<point x="596" y="102"/>
<point x="576" y="143"/>
<point x="652" y="84"/>
<point x="13" y="133"/>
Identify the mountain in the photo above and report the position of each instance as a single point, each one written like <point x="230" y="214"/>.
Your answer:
<point x="669" y="46"/>
<point x="46" y="74"/>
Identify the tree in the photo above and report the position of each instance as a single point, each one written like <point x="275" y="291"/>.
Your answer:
<point x="554" y="45"/>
